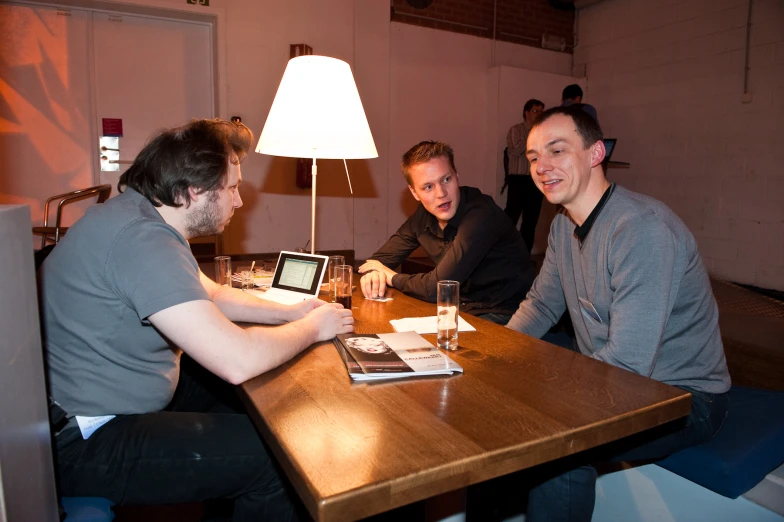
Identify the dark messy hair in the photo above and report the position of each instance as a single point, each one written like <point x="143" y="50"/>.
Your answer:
<point x="590" y="132"/>
<point x="195" y="155"/>
<point x="423" y="152"/>
<point x="571" y="92"/>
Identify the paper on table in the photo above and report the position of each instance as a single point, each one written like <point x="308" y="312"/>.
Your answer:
<point x="425" y="325"/>
<point x="260" y="279"/>
<point x="263" y="281"/>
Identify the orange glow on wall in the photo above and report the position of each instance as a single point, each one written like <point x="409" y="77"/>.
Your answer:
<point x="44" y="134"/>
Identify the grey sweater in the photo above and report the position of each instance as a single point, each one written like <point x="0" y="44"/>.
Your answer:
<point x="637" y="292"/>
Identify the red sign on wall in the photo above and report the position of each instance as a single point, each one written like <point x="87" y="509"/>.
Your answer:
<point x="112" y="127"/>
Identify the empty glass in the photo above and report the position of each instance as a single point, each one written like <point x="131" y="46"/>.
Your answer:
<point x="223" y="270"/>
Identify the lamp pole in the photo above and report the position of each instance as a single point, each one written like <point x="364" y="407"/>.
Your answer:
<point x="314" y="172"/>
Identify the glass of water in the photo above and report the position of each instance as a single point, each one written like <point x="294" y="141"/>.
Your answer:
<point x="448" y="307"/>
<point x="247" y="280"/>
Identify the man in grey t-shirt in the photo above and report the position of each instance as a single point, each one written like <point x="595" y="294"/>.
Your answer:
<point x="123" y="298"/>
<point x="628" y="271"/>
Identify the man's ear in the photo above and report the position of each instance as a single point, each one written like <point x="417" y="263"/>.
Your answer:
<point x="598" y="152"/>
<point x="194" y="195"/>
<point x="413" y="193"/>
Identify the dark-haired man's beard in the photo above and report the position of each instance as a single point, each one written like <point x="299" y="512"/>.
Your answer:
<point x="207" y="220"/>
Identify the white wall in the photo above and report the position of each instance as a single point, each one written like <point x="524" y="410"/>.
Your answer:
<point x="415" y="83"/>
<point x="446" y="86"/>
<point x="667" y="79"/>
<point x="276" y="214"/>
<point x="511" y="87"/>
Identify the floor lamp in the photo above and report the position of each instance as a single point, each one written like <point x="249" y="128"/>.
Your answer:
<point x="317" y="113"/>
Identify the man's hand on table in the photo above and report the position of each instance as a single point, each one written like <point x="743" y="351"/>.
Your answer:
<point x="330" y="319"/>
<point x="376" y="279"/>
<point x="303" y="308"/>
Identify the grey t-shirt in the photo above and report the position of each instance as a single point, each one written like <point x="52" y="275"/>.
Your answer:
<point x="117" y="265"/>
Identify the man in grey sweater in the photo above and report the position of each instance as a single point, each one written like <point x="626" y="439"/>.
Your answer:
<point x="628" y="270"/>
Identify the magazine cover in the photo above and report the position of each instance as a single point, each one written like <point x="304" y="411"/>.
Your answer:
<point x="373" y="356"/>
<point x="351" y="365"/>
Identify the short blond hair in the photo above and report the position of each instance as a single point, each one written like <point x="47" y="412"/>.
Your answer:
<point x="423" y="152"/>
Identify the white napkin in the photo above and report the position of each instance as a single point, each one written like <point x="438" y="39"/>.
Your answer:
<point x="426" y="325"/>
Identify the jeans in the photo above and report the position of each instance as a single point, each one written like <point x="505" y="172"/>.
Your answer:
<point x="202" y="446"/>
<point x="524" y="198"/>
<point x="568" y="490"/>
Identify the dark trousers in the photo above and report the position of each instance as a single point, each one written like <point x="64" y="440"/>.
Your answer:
<point x="565" y="491"/>
<point x="203" y="446"/>
<point x="524" y="198"/>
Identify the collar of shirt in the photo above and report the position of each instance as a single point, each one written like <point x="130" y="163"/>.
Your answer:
<point x="582" y="231"/>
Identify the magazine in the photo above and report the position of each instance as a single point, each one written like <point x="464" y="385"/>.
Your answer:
<point x="392" y="356"/>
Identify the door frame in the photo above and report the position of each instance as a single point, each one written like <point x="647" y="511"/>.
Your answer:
<point x="214" y="17"/>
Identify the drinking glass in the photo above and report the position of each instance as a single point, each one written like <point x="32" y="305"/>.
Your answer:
<point x="247" y="279"/>
<point x="223" y="270"/>
<point x="343" y="288"/>
<point x="448" y="306"/>
<point x="330" y="276"/>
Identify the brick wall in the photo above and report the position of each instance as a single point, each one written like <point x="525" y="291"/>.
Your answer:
<point x="517" y="21"/>
<point x="667" y="79"/>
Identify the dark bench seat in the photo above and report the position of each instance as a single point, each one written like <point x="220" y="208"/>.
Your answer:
<point x="749" y="445"/>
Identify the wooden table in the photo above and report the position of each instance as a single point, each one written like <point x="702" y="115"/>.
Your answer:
<point x="354" y="450"/>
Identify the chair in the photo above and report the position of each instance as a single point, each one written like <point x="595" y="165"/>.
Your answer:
<point x="52" y="234"/>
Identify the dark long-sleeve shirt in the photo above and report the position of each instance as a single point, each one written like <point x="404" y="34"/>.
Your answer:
<point x="479" y="247"/>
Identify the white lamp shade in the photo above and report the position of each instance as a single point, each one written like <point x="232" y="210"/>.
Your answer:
<point x="317" y="113"/>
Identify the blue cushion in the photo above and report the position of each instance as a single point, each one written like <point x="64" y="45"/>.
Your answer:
<point x="87" y="509"/>
<point x="749" y="445"/>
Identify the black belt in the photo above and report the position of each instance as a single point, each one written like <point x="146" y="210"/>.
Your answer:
<point x="58" y="418"/>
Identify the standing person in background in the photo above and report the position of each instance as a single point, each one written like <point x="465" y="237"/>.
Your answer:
<point x="573" y="95"/>
<point x="523" y="196"/>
